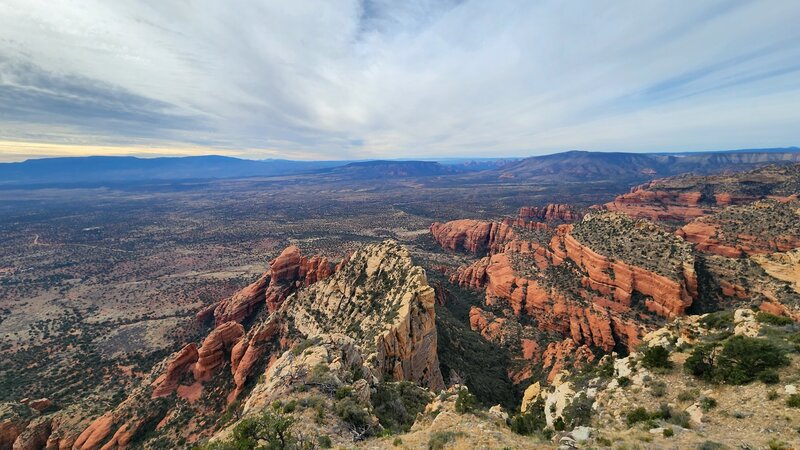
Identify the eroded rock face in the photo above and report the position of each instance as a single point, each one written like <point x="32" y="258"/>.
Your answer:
<point x="687" y="197"/>
<point x="474" y="236"/>
<point x="591" y="299"/>
<point x="754" y="229"/>
<point x="382" y="300"/>
<point x="215" y="349"/>
<point x="13" y="420"/>
<point x="241" y="304"/>
<point x="247" y="352"/>
<point x="549" y="213"/>
<point x="288" y="271"/>
<point x="181" y="363"/>
<point x="648" y="202"/>
<point x="35" y="435"/>
<point x="558" y="353"/>
<point x="783" y="266"/>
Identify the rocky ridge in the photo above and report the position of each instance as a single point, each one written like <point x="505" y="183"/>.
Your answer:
<point x="683" y="198"/>
<point x="376" y="312"/>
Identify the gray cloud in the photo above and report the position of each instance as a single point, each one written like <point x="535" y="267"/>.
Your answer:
<point x="383" y="78"/>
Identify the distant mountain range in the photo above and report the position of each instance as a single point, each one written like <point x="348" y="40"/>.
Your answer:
<point x="582" y="165"/>
<point x="567" y="166"/>
<point x="105" y="169"/>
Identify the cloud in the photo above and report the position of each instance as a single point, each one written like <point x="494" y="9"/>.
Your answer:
<point x="378" y="78"/>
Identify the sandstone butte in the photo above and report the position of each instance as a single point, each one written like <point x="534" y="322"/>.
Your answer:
<point x="705" y="234"/>
<point x="600" y="321"/>
<point x="403" y="349"/>
<point x="552" y="212"/>
<point x="657" y="202"/>
<point x="479" y="237"/>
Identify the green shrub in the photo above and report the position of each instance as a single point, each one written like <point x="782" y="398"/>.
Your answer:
<point x="344" y="391"/>
<point x="657" y="358"/>
<point x="664" y="412"/>
<point x="637" y="415"/>
<point x="772" y="395"/>
<point x="793" y="401"/>
<point x="658" y="389"/>
<point x="606" y="370"/>
<point x="772" y="319"/>
<point x="711" y="445"/>
<point x="623" y="381"/>
<point x="465" y="402"/>
<point x="775" y="444"/>
<point x="578" y="412"/>
<point x="688" y="395"/>
<point x="769" y="376"/>
<point x="397" y="404"/>
<point x="708" y="403"/>
<point x="740" y="360"/>
<point x="718" y="320"/>
<point x="527" y="424"/>
<point x="351" y="412"/>
<point x="439" y="439"/>
<point x="668" y="432"/>
<point x="324" y="442"/>
<point x="269" y="431"/>
<point x="702" y="362"/>
<point x="289" y="407"/>
<point x="303" y="345"/>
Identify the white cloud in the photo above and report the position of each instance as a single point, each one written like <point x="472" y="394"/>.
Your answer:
<point x="391" y="79"/>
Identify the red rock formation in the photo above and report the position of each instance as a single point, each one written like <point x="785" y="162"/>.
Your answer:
<point x="558" y="353"/>
<point x="182" y="363"/>
<point x="646" y="202"/>
<point x="668" y="298"/>
<point x="10" y="429"/>
<point x="487" y="324"/>
<point x="601" y="321"/>
<point x="41" y="404"/>
<point x="212" y="354"/>
<point x="288" y="271"/>
<point x="474" y="236"/>
<point x="473" y="276"/>
<point x="549" y="213"/>
<point x="35" y="435"/>
<point x="239" y="306"/>
<point x="704" y="235"/>
<point x="96" y="433"/>
<point x="246" y="353"/>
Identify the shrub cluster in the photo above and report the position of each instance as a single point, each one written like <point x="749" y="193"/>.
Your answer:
<point x="465" y="402"/>
<point x="657" y="358"/>
<point x="664" y="412"/>
<point x="740" y="360"/>
<point x="397" y="404"/>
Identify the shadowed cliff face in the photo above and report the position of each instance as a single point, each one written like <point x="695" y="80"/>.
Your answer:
<point x="593" y="286"/>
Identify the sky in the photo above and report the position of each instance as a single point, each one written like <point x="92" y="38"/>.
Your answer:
<point x="341" y="79"/>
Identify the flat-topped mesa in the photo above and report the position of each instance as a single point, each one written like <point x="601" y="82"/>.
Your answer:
<point x="287" y="272"/>
<point x="585" y="283"/>
<point x="474" y="236"/>
<point x="687" y="197"/>
<point x="551" y="212"/>
<point x="759" y="228"/>
<point x="647" y="202"/>
<point x="622" y="256"/>
<point x="383" y="301"/>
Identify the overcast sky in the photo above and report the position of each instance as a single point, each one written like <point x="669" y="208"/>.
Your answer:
<point x="337" y="79"/>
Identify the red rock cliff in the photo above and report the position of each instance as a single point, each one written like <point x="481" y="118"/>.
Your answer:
<point x="474" y="236"/>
